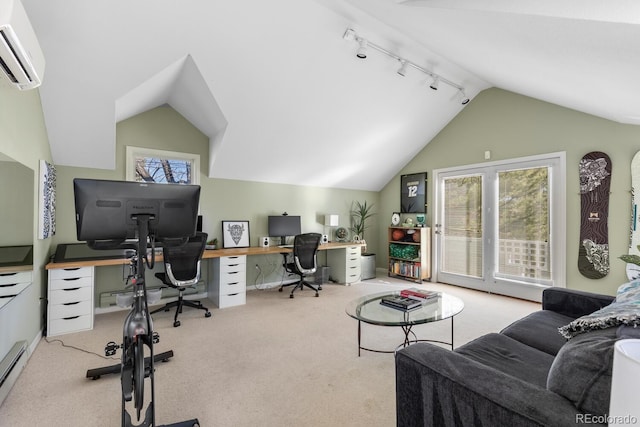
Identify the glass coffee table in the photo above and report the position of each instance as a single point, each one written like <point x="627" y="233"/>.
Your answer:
<point x="368" y="309"/>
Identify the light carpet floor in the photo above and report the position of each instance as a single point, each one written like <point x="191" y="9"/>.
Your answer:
<point x="275" y="361"/>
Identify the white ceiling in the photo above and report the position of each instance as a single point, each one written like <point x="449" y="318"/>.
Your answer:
<point x="283" y="97"/>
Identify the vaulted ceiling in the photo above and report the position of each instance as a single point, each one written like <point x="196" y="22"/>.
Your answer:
<point x="275" y="84"/>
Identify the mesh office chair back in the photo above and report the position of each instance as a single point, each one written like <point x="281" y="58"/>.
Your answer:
<point x="182" y="269"/>
<point x="305" y="248"/>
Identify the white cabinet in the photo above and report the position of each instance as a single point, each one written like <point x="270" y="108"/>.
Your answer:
<point x="12" y="283"/>
<point x="70" y="294"/>
<point x="229" y="284"/>
<point x="345" y="264"/>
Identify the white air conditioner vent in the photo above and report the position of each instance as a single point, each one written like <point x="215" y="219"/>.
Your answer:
<point x="21" y="58"/>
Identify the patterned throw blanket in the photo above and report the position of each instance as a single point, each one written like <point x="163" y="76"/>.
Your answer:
<point x="625" y="310"/>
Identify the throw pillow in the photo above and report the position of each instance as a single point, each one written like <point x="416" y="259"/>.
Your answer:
<point x="625" y="310"/>
<point x="581" y="371"/>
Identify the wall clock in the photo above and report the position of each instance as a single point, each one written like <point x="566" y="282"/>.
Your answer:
<point x="395" y="218"/>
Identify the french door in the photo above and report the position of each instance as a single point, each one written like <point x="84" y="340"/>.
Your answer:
<point x="499" y="227"/>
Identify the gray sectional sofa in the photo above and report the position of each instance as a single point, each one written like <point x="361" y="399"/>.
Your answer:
<point x="526" y="375"/>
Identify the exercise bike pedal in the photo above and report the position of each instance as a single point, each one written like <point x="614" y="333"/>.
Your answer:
<point x="155" y="338"/>
<point x="110" y="348"/>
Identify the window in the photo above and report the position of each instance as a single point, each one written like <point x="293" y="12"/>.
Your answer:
<point x="169" y="167"/>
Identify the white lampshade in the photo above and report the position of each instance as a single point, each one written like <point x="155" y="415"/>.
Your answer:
<point x="624" y="409"/>
<point x="331" y="220"/>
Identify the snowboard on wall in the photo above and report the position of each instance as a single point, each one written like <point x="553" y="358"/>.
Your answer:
<point x="633" y="271"/>
<point x="595" y="182"/>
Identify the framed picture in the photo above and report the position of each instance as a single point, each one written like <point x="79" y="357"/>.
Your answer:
<point x="235" y="234"/>
<point x="413" y="193"/>
<point x="47" y="208"/>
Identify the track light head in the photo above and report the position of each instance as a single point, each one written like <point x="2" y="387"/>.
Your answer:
<point x="465" y="100"/>
<point x="434" y="84"/>
<point x="349" y="34"/>
<point x="362" y="50"/>
<point x="403" y="68"/>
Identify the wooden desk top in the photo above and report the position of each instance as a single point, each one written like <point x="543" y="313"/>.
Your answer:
<point x="11" y="269"/>
<point x="209" y="253"/>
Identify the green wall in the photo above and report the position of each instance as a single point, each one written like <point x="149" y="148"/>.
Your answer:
<point x="163" y="128"/>
<point x="511" y="126"/>
<point x="23" y="143"/>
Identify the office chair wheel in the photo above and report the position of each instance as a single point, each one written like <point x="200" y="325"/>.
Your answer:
<point x="176" y="323"/>
<point x="290" y="295"/>
<point x="319" y="288"/>
<point x="207" y="314"/>
<point x="317" y="294"/>
<point x="280" y="290"/>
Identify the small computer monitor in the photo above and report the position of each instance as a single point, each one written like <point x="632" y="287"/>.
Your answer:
<point x="284" y="226"/>
<point x="107" y="210"/>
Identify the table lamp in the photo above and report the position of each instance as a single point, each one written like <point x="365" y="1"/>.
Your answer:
<point x="624" y="409"/>
<point x="331" y="220"/>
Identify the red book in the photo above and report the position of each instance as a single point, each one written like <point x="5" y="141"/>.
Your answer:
<point x="419" y="294"/>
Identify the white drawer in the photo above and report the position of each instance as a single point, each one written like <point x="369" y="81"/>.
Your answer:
<point x="353" y="262"/>
<point x="233" y="277"/>
<point x="17" y="277"/>
<point x="233" y="260"/>
<point x="232" y="288"/>
<point x="12" y="289"/>
<point x="71" y="283"/>
<point x="353" y="251"/>
<point x="231" y="300"/>
<point x="75" y="324"/>
<point x="61" y="311"/>
<point x="62" y="296"/>
<point x="66" y="273"/>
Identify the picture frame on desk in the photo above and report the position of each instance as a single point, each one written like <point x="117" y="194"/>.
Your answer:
<point x="235" y="234"/>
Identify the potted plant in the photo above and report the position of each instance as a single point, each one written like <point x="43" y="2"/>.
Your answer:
<point x="212" y="244"/>
<point x="360" y="213"/>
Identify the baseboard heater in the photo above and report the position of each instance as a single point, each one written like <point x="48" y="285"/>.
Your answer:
<point x="11" y="366"/>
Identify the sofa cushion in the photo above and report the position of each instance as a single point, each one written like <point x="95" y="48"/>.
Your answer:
<point x="539" y="330"/>
<point x="581" y="372"/>
<point x="509" y="356"/>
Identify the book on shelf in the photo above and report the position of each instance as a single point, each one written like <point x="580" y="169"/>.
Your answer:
<point x="400" y="303"/>
<point x="419" y="294"/>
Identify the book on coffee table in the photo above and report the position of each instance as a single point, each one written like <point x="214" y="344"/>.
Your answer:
<point x="419" y="294"/>
<point x="400" y="302"/>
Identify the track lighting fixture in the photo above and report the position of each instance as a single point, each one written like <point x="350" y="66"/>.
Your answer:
<point x="362" y="50"/>
<point x="434" y="84"/>
<point x="350" y="35"/>
<point x="403" y="68"/>
<point x="465" y="100"/>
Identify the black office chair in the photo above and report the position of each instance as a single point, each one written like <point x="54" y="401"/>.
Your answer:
<point x="182" y="270"/>
<point x="305" y="248"/>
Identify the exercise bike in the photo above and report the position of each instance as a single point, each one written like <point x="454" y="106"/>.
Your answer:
<point x="130" y="216"/>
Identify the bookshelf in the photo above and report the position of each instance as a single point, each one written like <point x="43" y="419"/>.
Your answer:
<point x="410" y="253"/>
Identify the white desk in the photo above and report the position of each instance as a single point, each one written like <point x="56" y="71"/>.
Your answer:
<point x="226" y="288"/>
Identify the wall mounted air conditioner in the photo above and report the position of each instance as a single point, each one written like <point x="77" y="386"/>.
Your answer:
<point x="21" y="58"/>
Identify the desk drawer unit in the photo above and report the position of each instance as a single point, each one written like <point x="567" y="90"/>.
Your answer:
<point x="70" y="295"/>
<point x="345" y="264"/>
<point x="11" y="284"/>
<point x="229" y="285"/>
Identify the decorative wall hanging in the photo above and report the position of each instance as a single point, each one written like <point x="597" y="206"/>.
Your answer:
<point x="413" y="193"/>
<point x="235" y="234"/>
<point x="595" y="181"/>
<point x="47" y="198"/>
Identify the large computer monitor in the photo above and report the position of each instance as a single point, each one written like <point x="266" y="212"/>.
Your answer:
<point x="284" y="226"/>
<point x="106" y="210"/>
